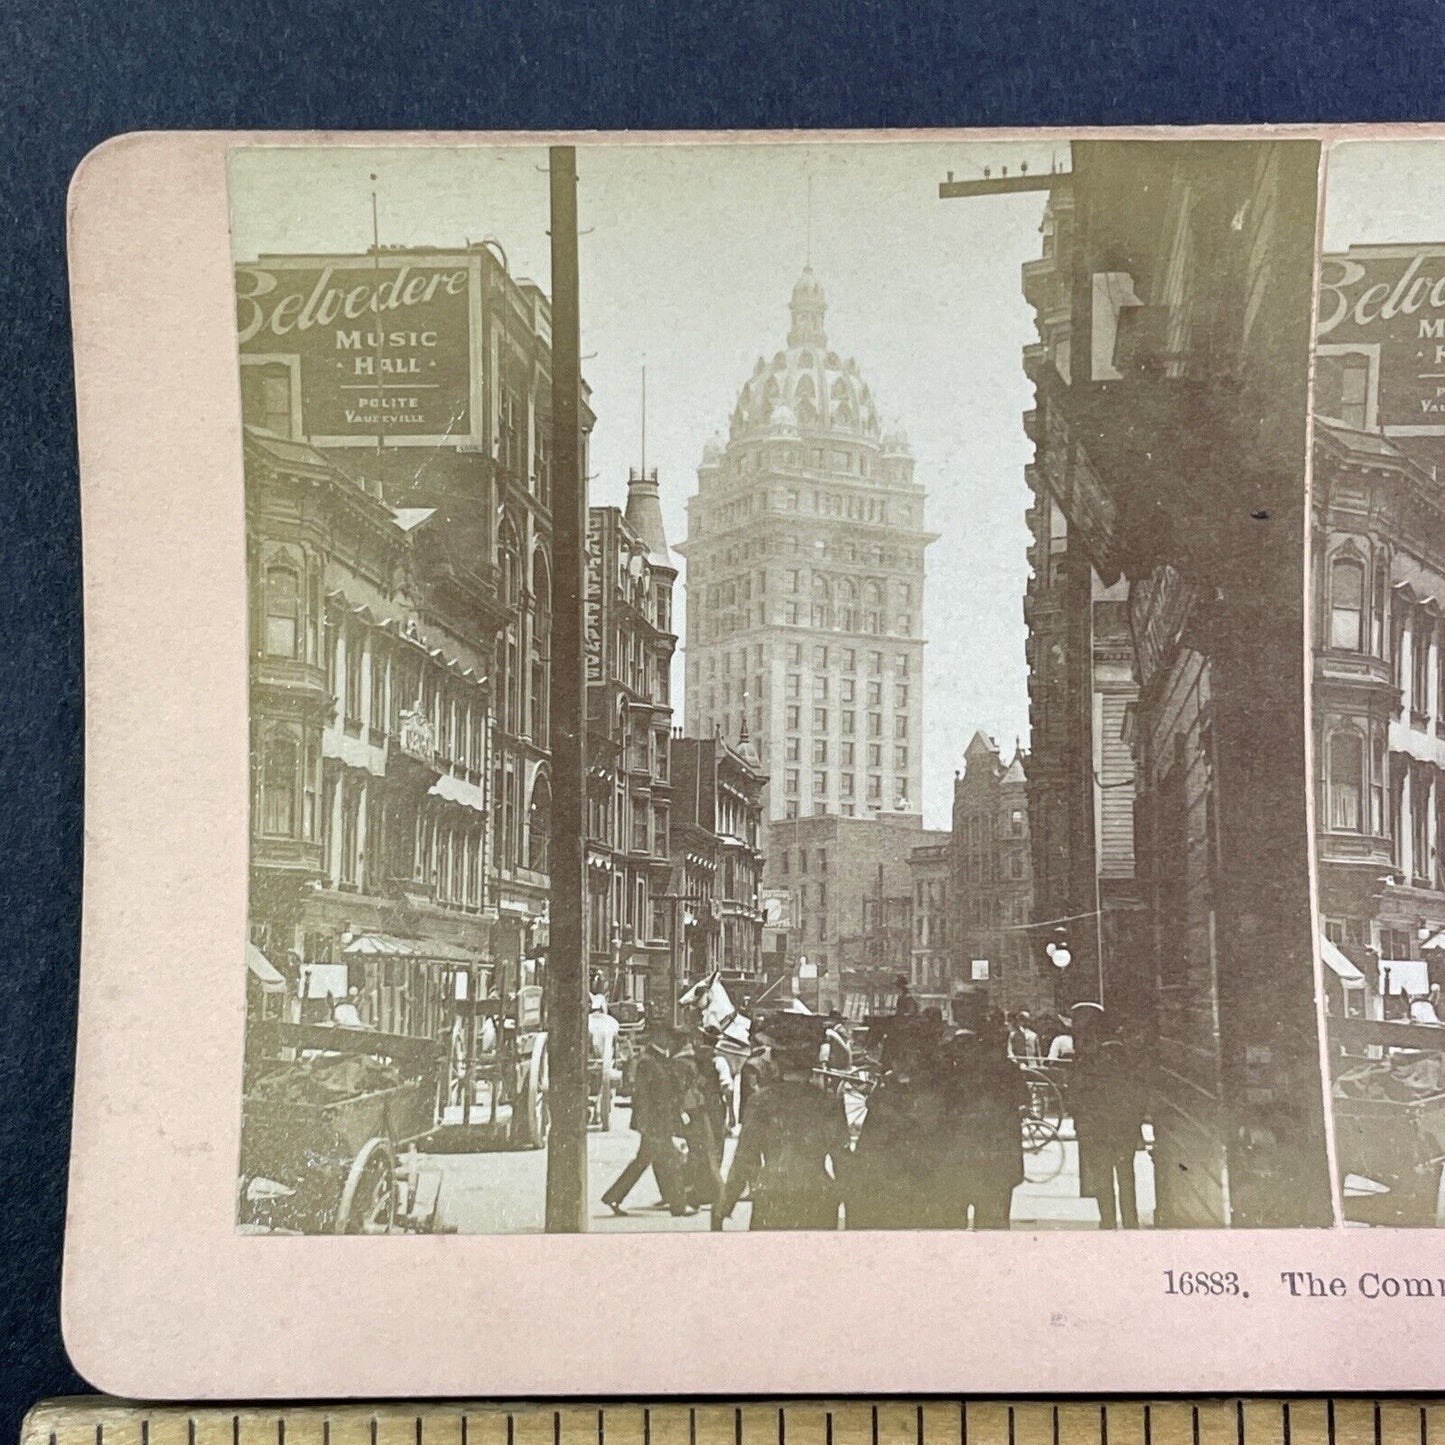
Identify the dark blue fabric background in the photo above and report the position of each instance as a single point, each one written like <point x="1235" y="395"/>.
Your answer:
<point x="73" y="72"/>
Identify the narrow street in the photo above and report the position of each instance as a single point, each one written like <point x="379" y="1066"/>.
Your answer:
<point x="502" y="1192"/>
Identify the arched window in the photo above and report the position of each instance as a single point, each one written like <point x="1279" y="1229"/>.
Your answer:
<point x="283" y="610"/>
<point x="278" y="787"/>
<point x="539" y="825"/>
<point x="509" y="558"/>
<point x="541" y="644"/>
<point x="872" y="594"/>
<point x="1346" y="765"/>
<point x="1347" y="604"/>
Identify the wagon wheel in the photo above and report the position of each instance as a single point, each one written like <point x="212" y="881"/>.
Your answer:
<point x="368" y="1200"/>
<point x="531" y="1113"/>
<point x="1046" y="1101"/>
<point x="1038" y="1131"/>
<point x="1045" y="1160"/>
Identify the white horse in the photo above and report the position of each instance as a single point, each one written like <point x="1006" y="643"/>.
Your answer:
<point x="709" y="1000"/>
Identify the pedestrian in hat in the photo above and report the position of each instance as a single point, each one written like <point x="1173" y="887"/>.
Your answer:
<point x="893" y="1176"/>
<point x="759" y="1070"/>
<point x="696" y="1084"/>
<point x="657" y="1118"/>
<point x="981" y="1147"/>
<point x="1108" y="1100"/>
<point x="792" y="1153"/>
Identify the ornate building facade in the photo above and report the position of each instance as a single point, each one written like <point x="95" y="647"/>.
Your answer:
<point x="1378" y="570"/>
<point x="1082" y="688"/>
<point x="997" y="955"/>
<point x="1172" y="417"/>
<point x="370" y="703"/>
<point x="933" y="971"/>
<point x="630" y="642"/>
<point x="422" y="376"/>
<point x="718" y="861"/>
<point x="805" y="577"/>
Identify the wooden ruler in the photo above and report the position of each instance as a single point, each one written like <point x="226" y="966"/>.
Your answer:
<point x="1209" y="1421"/>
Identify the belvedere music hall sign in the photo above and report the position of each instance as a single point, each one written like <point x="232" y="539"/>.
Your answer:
<point x="1391" y="298"/>
<point x="384" y="351"/>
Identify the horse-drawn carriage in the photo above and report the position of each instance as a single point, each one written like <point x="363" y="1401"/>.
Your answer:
<point x="1389" y="1110"/>
<point x="327" y="1111"/>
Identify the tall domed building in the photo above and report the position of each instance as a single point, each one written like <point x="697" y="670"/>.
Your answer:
<point x="805" y="544"/>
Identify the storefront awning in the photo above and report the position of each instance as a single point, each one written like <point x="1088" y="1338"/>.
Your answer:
<point x="264" y="971"/>
<point x="1334" y="959"/>
<point x="388" y="945"/>
<point x="1435" y="941"/>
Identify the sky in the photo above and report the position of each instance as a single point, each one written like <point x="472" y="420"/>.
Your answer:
<point x="1377" y="192"/>
<point x="688" y="257"/>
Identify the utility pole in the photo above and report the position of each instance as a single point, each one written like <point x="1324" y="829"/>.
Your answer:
<point x="566" y="963"/>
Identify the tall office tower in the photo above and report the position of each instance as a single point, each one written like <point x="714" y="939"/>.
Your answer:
<point x="805" y="584"/>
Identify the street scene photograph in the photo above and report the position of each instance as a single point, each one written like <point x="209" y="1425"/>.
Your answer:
<point x="778" y="680"/>
<point x="1378" y="574"/>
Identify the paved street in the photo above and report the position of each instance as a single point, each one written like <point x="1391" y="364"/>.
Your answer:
<point x="503" y="1192"/>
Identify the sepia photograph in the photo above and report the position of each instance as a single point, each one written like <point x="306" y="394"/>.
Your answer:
<point x="1378" y="574"/>
<point x="777" y="682"/>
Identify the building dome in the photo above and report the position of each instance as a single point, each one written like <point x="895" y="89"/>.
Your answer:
<point x="806" y="386"/>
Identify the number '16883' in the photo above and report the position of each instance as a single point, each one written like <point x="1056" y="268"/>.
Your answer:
<point x="1202" y="1282"/>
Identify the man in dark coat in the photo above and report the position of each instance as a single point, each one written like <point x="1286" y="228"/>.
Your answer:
<point x="759" y="1071"/>
<point x="981" y="1155"/>
<point x="892" y="1181"/>
<point x="697" y="1098"/>
<point x="656" y="1116"/>
<point x="1109" y="1101"/>
<point x="792" y="1152"/>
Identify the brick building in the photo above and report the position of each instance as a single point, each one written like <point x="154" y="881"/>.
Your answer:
<point x="997" y="955"/>
<point x="630" y="642"/>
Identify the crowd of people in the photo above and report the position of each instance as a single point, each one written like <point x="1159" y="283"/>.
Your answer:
<point x="941" y="1143"/>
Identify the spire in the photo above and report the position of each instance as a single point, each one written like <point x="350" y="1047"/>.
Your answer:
<point x="644" y="516"/>
<point x="807" y="306"/>
<point x="746" y="751"/>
